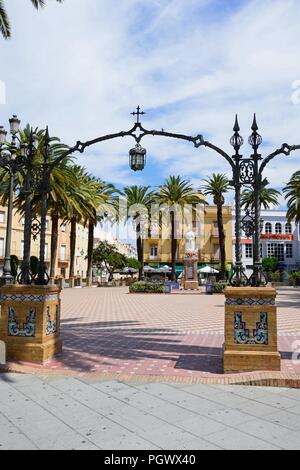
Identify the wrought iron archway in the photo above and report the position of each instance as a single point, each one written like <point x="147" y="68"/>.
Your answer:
<point x="246" y="172"/>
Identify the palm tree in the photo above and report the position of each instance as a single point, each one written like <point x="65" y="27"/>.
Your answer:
<point x="292" y="194"/>
<point x="103" y="199"/>
<point x="80" y="208"/>
<point x="176" y="192"/>
<point x="4" y="20"/>
<point x="218" y="185"/>
<point x="139" y="199"/>
<point x="268" y="197"/>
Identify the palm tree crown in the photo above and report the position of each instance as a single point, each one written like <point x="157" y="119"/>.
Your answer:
<point x="292" y="194"/>
<point x="218" y="185"/>
<point x="268" y="197"/>
<point x="139" y="200"/>
<point x="4" y="20"/>
<point x="177" y="191"/>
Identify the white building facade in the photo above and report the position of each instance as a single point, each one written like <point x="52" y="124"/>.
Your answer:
<point x="279" y="239"/>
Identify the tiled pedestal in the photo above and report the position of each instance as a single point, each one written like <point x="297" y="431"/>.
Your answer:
<point x="251" y="330"/>
<point x="30" y="322"/>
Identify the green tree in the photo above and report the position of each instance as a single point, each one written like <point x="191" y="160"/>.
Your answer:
<point x="268" y="197"/>
<point x="4" y="20"/>
<point x="133" y="263"/>
<point x="102" y="206"/>
<point x="139" y="200"/>
<point x="80" y="207"/>
<point x="270" y="264"/>
<point x="106" y="254"/>
<point x="292" y="195"/>
<point x="218" y="185"/>
<point x="176" y="192"/>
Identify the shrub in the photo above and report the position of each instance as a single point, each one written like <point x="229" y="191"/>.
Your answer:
<point x="274" y="277"/>
<point x="219" y="287"/>
<point x="34" y="261"/>
<point x="14" y="265"/>
<point x="146" y="287"/>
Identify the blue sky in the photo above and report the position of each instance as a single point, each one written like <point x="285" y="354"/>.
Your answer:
<point x="83" y="66"/>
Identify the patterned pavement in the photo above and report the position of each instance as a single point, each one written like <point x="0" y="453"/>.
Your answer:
<point x="108" y="332"/>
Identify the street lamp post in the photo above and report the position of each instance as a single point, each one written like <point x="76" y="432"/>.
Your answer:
<point x="43" y="276"/>
<point x="7" y="162"/>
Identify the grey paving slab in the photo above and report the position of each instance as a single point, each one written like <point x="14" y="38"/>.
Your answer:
<point x="229" y="416"/>
<point x="238" y="440"/>
<point x="285" y="418"/>
<point x="70" y="413"/>
<point x="273" y="433"/>
<point x="197" y="444"/>
<point x="180" y="397"/>
<point x="201" y="426"/>
<point x="45" y="430"/>
<point x="12" y="438"/>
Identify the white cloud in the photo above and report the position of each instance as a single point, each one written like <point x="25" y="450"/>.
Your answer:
<point x="82" y="66"/>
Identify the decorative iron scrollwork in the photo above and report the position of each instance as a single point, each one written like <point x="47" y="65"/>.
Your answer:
<point x="35" y="228"/>
<point x="247" y="171"/>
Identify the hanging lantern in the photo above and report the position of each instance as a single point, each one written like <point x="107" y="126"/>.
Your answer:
<point x="137" y="158"/>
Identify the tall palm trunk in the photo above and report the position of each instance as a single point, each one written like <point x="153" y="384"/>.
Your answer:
<point x="54" y="242"/>
<point x="140" y="251"/>
<point x="221" y="240"/>
<point x="173" y="247"/>
<point x="90" y="251"/>
<point x="72" y="247"/>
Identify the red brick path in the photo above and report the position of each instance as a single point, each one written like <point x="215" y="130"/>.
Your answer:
<point x="110" y="332"/>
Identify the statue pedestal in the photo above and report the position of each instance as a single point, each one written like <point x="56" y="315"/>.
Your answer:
<point x="30" y="322"/>
<point x="250" y="330"/>
<point x="191" y="271"/>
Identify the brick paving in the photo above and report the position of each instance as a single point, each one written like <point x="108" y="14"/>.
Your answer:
<point x="108" y="332"/>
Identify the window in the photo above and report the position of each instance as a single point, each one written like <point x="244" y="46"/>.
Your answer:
<point x="23" y="220"/>
<point x="47" y="224"/>
<point x="289" y="250"/>
<point x="64" y="228"/>
<point x="278" y="228"/>
<point x="22" y="248"/>
<point x="276" y="250"/>
<point x="288" y="228"/>
<point x="268" y="227"/>
<point x="249" y="250"/>
<point x="154" y="251"/>
<point x="261" y="251"/>
<point x="1" y="246"/>
<point x="46" y="250"/>
<point x="2" y="217"/>
<point x="63" y="252"/>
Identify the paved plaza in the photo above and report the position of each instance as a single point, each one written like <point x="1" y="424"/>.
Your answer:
<point x="76" y="413"/>
<point x="110" y="333"/>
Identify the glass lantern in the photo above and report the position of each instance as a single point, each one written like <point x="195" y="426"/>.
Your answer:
<point x="137" y="158"/>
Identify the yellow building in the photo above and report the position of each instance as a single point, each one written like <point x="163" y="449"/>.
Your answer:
<point x="157" y="252"/>
<point x="63" y="249"/>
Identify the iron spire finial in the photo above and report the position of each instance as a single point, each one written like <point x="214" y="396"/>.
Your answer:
<point x="236" y="124"/>
<point x="254" y="125"/>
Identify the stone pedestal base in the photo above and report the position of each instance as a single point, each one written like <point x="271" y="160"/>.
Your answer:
<point x="191" y="273"/>
<point x="250" y="330"/>
<point x="191" y="285"/>
<point x="30" y="322"/>
<point x="236" y="361"/>
<point x="72" y="282"/>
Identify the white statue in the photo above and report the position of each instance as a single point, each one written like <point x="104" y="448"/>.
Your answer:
<point x="190" y="241"/>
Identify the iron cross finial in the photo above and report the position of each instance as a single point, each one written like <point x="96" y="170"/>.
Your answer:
<point x="138" y="113"/>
